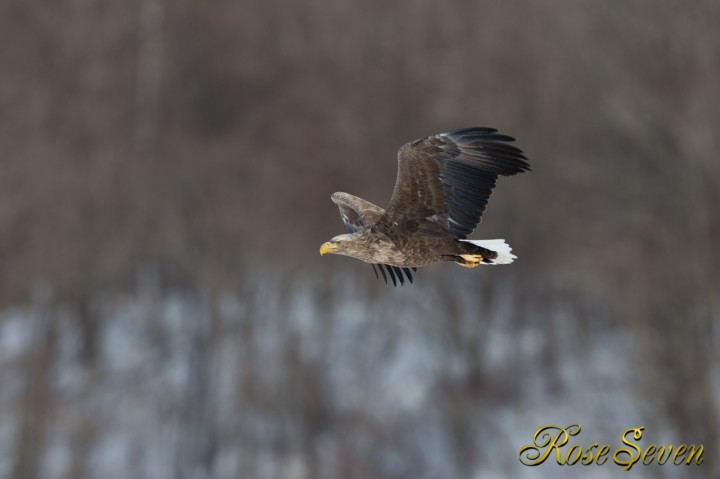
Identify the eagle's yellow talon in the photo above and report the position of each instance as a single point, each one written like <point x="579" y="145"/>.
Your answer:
<point x="471" y="260"/>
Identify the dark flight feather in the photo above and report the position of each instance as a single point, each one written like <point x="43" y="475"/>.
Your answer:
<point x="398" y="273"/>
<point x="383" y="272"/>
<point x="392" y="275"/>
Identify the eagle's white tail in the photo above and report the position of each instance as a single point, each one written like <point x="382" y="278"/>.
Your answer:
<point x="503" y="250"/>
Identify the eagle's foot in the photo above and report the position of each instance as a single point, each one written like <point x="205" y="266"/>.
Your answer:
<point x="470" y="260"/>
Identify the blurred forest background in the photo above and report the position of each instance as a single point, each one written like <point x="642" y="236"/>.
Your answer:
<point x="166" y="178"/>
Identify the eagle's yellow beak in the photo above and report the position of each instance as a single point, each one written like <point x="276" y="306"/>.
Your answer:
<point x="328" y="248"/>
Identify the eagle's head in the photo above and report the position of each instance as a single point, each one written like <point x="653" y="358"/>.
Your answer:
<point x="341" y="244"/>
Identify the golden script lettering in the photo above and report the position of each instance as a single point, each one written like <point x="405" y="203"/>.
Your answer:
<point x="551" y="440"/>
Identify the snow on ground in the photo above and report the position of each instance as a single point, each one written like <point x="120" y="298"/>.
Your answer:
<point x="269" y="386"/>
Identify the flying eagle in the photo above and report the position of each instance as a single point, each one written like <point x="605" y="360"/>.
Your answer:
<point x="443" y="185"/>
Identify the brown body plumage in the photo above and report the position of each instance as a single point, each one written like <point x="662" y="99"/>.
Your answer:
<point x="376" y="247"/>
<point x="442" y="188"/>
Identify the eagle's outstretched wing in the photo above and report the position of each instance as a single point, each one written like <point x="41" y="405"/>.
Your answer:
<point x="444" y="181"/>
<point x="357" y="213"/>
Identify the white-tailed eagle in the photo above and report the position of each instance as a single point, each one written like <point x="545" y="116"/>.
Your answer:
<point x="441" y="192"/>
